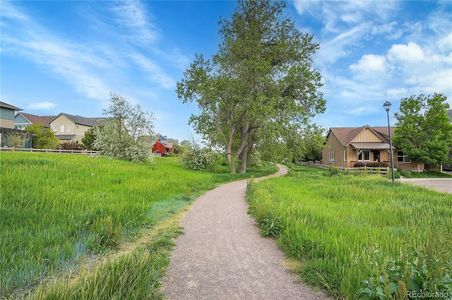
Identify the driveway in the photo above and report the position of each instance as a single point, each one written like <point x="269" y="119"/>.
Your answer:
<point x="439" y="184"/>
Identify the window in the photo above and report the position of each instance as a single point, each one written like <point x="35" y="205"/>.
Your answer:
<point x="402" y="157"/>
<point x="364" y="155"/>
<point x="61" y="128"/>
<point x="331" y="156"/>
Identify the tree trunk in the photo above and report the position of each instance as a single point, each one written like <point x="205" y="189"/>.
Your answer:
<point x="243" y="161"/>
<point x="231" y="166"/>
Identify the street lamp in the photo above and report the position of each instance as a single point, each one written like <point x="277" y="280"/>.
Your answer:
<point x="387" y="107"/>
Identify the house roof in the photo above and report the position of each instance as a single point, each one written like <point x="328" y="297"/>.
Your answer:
<point x="8" y="106"/>
<point x="374" y="146"/>
<point x="35" y="119"/>
<point x="81" y="120"/>
<point x="346" y="134"/>
<point x="449" y="112"/>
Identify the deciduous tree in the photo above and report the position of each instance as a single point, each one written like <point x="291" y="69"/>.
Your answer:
<point x="423" y="129"/>
<point x="125" y="134"/>
<point x="260" y="82"/>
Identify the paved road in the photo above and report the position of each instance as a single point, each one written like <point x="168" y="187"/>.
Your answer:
<point x="439" y="184"/>
<point x="221" y="254"/>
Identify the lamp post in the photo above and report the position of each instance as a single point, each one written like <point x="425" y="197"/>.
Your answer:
<point x="387" y="107"/>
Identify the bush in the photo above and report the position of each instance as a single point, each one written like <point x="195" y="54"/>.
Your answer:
<point x="43" y="138"/>
<point x="372" y="164"/>
<point x="72" y="146"/>
<point x="89" y="138"/>
<point x="16" y="140"/>
<point x="198" y="158"/>
<point x="332" y="171"/>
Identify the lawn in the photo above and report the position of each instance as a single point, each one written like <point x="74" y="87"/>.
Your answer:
<point x="425" y="174"/>
<point x="57" y="209"/>
<point x="359" y="236"/>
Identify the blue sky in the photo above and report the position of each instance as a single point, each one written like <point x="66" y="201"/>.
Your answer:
<point x="67" y="56"/>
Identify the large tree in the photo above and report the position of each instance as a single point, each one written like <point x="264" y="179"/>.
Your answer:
<point x="423" y="129"/>
<point x="259" y="84"/>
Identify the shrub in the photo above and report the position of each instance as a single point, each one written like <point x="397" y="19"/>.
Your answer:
<point x="43" y="138"/>
<point x="358" y="165"/>
<point x="89" y="138"/>
<point x="377" y="164"/>
<point x="198" y="158"/>
<point x="332" y="171"/>
<point x="16" y="140"/>
<point x="72" y="146"/>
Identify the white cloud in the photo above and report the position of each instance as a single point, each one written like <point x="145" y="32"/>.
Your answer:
<point x="156" y="74"/>
<point x="338" y="15"/>
<point x="74" y="62"/>
<point x="340" y="46"/>
<point x="133" y="15"/>
<point x="45" y="105"/>
<point x="370" y="63"/>
<point x="409" y="53"/>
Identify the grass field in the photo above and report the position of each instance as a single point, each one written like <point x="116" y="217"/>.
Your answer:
<point x="359" y="236"/>
<point x="56" y="210"/>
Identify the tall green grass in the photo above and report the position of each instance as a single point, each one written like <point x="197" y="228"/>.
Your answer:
<point x="359" y="236"/>
<point x="57" y="209"/>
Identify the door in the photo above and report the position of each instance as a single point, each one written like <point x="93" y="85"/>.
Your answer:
<point x="377" y="156"/>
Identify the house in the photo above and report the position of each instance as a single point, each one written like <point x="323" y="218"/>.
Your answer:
<point x="72" y="128"/>
<point x="162" y="147"/>
<point x="346" y="146"/>
<point x="449" y="112"/>
<point x="7" y="113"/>
<point x="22" y="120"/>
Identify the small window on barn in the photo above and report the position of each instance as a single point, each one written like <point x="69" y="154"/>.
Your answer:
<point x="331" y="156"/>
<point x="401" y="157"/>
<point x="61" y="128"/>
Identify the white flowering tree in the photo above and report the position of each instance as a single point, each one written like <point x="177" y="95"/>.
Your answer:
<point x="125" y="134"/>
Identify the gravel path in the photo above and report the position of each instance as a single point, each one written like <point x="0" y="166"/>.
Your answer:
<point x="221" y="254"/>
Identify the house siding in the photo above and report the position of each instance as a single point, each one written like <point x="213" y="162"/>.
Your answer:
<point x="6" y="118"/>
<point x="333" y="144"/>
<point x="367" y="136"/>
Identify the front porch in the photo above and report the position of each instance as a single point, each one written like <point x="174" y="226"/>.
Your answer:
<point x="369" y="154"/>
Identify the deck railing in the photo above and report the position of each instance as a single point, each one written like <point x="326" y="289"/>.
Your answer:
<point x="60" y="151"/>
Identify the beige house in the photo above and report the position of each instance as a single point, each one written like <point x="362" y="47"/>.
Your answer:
<point x="346" y="146"/>
<point x="71" y="128"/>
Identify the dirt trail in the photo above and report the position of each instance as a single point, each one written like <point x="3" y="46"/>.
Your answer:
<point x="221" y="254"/>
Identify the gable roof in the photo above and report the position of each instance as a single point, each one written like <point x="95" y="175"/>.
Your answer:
<point x="8" y="106"/>
<point x="81" y="120"/>
<point x="35" y="119"/>
<point x="346" y="134"/>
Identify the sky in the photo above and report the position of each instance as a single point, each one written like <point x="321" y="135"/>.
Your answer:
<point x="68" y="56"/>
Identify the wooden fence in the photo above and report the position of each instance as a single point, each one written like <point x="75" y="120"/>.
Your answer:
<point x="60" y="151"/>
<point x="372" y="170"/>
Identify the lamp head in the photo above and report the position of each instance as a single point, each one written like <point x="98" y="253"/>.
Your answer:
<point x="387" y="106"/>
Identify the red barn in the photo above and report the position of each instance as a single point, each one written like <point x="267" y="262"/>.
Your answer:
<point x="162" y="148"/>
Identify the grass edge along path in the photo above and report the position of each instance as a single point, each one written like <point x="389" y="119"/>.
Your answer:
<point x="134" y="271"/>
<point x="358" y="236"/>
